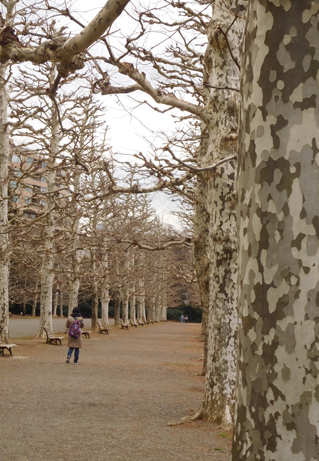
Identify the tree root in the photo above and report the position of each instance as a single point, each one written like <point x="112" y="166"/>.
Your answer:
<point x="188" y="419"/>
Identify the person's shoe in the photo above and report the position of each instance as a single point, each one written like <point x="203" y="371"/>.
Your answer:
<point x="75" y="363"/>
<point x="68" y="359"/>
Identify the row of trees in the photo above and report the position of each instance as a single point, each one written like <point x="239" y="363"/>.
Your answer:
<point x="80" y="237"/>
<point x="198" y="73"/>
<point x="104" y="264"/>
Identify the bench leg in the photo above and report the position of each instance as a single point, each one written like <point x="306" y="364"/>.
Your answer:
<point x="9" y="350"/>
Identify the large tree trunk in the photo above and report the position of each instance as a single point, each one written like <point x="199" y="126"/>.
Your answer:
<point x="4" y="239"/>
<point x="200" y="252"/>
<point x="222" y="71"/>
<point x="277" y="404"/>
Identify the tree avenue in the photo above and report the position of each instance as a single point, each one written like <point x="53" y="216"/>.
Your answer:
<point x="207" y="82"/>
<point x="67" y="53"/>
<point x="103" y="243"/>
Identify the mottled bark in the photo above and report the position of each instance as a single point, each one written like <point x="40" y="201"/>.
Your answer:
<point x="55" y="306"/>
<point x="221" y="61"/>
<point x="200" y="252"/>
<point x="4" y="258"/>
<point x="277" y="404"/>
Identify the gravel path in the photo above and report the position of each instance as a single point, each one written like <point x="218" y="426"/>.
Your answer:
<point x="115" y="405"/>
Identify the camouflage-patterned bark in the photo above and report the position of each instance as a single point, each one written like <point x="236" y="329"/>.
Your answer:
<point x="200" y="251"/>
<point x="221" y="61"/>
<point x="277" y="407"/>
<point x="4" y="240"/>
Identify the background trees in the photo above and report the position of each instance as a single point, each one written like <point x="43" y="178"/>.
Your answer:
<point x="196" y="72"/>
<point x="41" y="46"/>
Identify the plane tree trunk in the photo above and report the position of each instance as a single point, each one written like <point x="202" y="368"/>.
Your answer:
<point x="277" y="402"/>
<point x="222" y="72"/>
<point x="4" y="238"/>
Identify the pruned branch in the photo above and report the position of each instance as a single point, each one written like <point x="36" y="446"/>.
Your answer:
<point x="67" y="52"/>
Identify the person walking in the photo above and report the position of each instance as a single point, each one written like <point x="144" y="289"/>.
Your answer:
<point x="75" y="320"/>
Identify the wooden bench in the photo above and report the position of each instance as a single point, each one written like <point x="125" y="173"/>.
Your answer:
<point x="103" y="329"/>
<point x="86" y="334"/>
<point x="124" y="325"/>
<point x="139" y="322"/>
<point x="6" y="346"/>
<point x="133" y="324"/>
<point x="51" y="338"/>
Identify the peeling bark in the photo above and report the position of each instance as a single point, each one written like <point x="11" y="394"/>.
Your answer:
<point x="221" y="61"/>
<point x="277" y="404"/>
<point x="4" y="239"/>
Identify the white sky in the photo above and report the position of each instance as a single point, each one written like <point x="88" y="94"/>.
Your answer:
<point x="131" y="131"/>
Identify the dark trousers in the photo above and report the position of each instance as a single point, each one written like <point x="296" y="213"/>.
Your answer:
<point x="76" y="353"/>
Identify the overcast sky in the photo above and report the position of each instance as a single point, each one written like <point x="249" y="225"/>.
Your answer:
<point x="131" y="131"/>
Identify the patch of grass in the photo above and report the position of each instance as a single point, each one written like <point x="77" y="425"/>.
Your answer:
<point x="226" y="435"/>
<point x="218" y="449"/>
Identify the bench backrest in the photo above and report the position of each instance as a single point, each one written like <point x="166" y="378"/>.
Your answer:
<point x="48" y="332"/>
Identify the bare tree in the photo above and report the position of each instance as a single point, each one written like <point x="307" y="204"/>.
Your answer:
<point x="206" y="87"/>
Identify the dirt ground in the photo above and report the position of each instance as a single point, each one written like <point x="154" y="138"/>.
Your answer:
<point x="114" y="405"/>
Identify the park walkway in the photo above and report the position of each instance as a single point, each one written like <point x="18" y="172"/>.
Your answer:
<point x="115" y="405"/>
